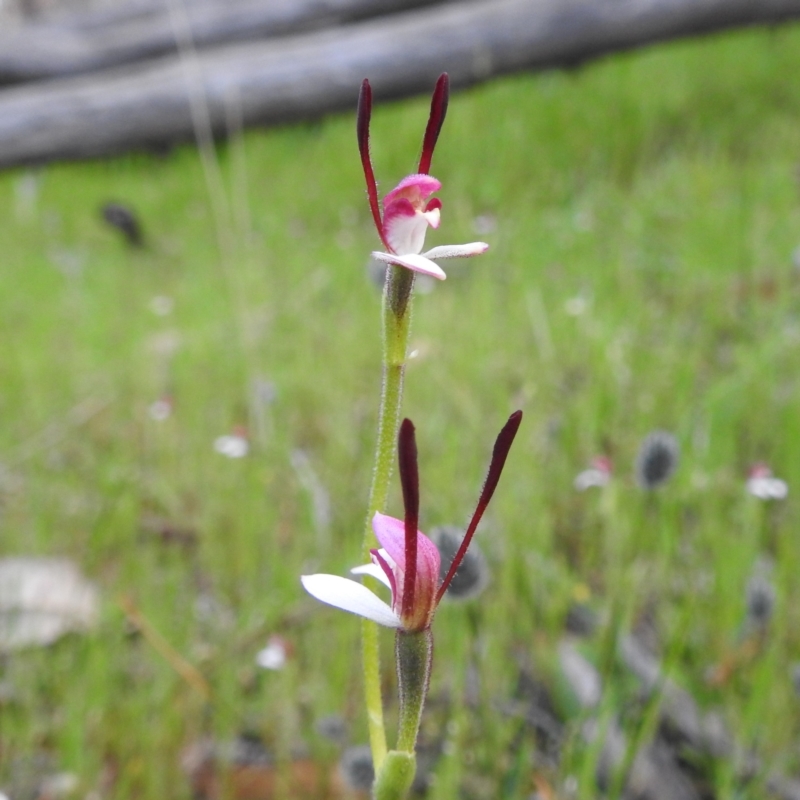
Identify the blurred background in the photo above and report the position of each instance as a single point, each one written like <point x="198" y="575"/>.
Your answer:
<point x="189" y="376"/>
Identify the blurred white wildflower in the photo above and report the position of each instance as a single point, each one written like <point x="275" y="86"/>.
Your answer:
<point x="598" y="474"/>
<point x="233" y="445"/>
<point x="275" y="655"/>
<point x="160" y="409"/>
<point x="761" y="483"/>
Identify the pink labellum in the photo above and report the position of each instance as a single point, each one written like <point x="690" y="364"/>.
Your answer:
<point x="391" y="534"/>
<point x="406" y="216"/>
<point x="404" y="226"/>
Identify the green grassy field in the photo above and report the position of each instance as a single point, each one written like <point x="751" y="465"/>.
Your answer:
<point x="642" y="216"/>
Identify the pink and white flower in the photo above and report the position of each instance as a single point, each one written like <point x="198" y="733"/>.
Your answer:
<point x="598" y="474"/>
<point x="408" y="209"/>
<point x="233" y="445"/>
<point x="275" y="655"/>
<point x="389" y="566"/>
<point x="761" y="483"/>
<point x="408" y="562"/>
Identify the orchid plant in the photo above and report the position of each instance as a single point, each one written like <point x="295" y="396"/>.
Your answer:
<point x="407" y="562"/>
<point x="401" y="222"/>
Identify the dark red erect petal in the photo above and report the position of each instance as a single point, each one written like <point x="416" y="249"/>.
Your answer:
<point x="409" y="478"/>
<point x="439" y="101"/>
<point x="500" y="452"/>
<point x="363" y="116"/>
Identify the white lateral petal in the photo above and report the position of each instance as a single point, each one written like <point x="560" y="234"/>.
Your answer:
<point x="413" y="262"/>
<point x="457" y="250"/>
<point x="350" y="596"/>
<point x="375" y="571"/>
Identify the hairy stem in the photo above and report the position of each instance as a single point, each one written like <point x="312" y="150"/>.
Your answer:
<point x="396" y="324"/>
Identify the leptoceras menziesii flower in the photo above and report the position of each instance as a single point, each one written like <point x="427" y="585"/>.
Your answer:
<point x="408" y="209"/>
<point x="408" y="561"/>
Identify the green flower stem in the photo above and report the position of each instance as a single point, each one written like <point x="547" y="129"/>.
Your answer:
<point x="396" y="324"/>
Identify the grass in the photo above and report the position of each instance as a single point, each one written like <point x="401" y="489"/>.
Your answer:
<point x="655" y="192"/>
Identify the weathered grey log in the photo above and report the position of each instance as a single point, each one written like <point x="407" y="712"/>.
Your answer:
<point x="141" y="31"/>
<point x="306" y="76"/>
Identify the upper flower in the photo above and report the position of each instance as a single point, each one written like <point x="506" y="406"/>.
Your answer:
<point x="407" y="211"/>
<point x="408" y="562"/>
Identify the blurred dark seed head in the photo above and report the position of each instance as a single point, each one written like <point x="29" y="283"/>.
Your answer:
<point x="581" y="620"/>
<point x="760" y="600"/>
<point x="124" y="219"/>
<point x="356" y="768"/>
<point x="247" y="749"/>
<point x="472" y="576"/>
<point x="332" y="727"/>
<point x="657" y="459"/>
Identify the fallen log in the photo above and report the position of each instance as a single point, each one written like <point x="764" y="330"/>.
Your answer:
<point x="306" y="76"/>
<point x="142" y="31"/>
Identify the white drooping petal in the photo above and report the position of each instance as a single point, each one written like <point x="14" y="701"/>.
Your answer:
<point x="374" y="571"/>
<point x="457" y="250"/>
<point x="350" y="596"/>
<point x="413" y="262"/>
